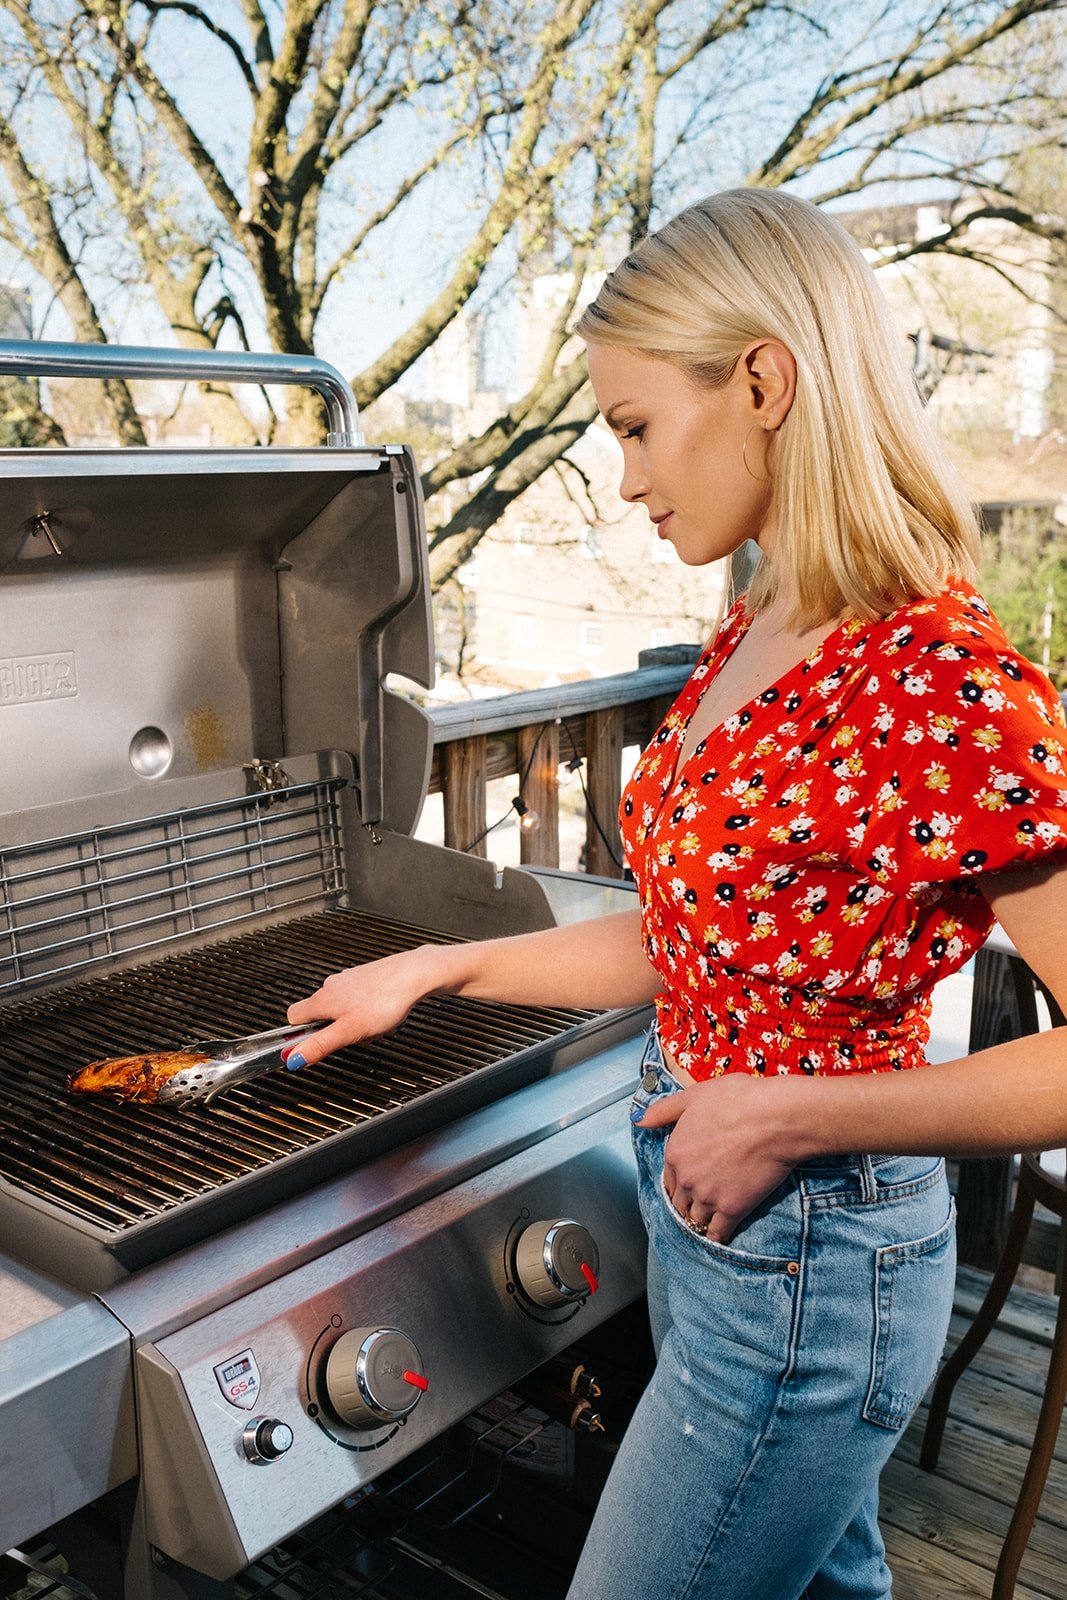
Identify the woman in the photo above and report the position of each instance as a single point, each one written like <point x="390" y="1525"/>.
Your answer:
<point x="860" y="773"/>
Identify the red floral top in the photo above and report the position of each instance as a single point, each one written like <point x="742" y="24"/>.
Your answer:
<point x="810" y="873"/>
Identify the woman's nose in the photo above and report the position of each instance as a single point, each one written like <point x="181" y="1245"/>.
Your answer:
<point x="634" y="482"/>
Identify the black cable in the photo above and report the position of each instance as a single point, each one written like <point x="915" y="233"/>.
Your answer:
<point x="520" y="797"/>
<point x="485" y="832"/>
<point x="577" y="767"/>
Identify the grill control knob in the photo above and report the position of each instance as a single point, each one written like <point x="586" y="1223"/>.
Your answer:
<point x="556" y="1263"/>
<point x="265" y="1439"/>
<point x="374" y="1377"/>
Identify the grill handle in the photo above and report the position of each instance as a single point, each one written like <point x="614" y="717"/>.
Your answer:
<point x="24" y="358"/>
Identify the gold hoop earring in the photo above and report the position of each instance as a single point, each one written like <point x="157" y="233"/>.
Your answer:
<point x="744" y="454"/>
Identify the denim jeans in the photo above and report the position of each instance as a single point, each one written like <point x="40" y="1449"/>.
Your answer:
<point x="788" y="1363"/>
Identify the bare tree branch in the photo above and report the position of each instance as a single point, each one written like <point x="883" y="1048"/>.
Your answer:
<point x="154" y="7"/>
<point x="864" y="93"/>
<point x="56" y="264"/>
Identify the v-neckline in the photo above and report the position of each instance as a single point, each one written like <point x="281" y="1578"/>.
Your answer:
<point x="798" y="666"/>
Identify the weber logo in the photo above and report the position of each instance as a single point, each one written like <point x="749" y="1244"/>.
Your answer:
<point x="27" y="678"/>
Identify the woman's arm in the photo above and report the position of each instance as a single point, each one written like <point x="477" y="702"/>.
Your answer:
<point x="739" y="1136"/>
<point x="598" y="963"/>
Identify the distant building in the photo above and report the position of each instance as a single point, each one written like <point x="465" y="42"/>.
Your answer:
<point x="986" y="353"/>
<point x="573" y="583"/>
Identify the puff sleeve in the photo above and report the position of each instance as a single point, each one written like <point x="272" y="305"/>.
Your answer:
<point x="966" y="765"/>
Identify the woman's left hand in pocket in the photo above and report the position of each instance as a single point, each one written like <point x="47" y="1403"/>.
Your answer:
<point x="722" y="1157"/>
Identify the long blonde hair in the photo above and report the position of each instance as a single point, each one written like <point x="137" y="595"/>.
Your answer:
<point x="868" y="512"/>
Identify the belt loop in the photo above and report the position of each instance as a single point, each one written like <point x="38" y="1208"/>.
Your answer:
<point x="868" y="1184"/>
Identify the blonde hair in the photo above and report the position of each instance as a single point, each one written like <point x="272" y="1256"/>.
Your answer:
<point x="868" y="512"/>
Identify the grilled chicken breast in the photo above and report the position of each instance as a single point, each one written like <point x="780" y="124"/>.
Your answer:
<point x="133" y="1077"/>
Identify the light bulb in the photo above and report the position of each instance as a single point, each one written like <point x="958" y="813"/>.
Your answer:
<point x="529" y="819"/>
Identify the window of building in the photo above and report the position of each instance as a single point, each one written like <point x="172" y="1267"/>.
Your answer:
<point x="661" y="637"/>
<point x="590" y="636"/>
<point x="524" y="629"/>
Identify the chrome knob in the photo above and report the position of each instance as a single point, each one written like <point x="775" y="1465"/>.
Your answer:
<point x="556" y="1263"/>
<point x="265" y="1439"/>
<point x="374" y="1377"/>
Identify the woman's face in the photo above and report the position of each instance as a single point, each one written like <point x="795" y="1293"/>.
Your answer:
<point x="682" y="450"/>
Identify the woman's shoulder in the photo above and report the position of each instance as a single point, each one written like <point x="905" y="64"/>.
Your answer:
<point x="949" y="651"/>
<point x="953" y="630"/>
<point x="957" y="614"/>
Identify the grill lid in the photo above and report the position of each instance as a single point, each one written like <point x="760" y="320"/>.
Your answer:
<point x="177" y="612"/>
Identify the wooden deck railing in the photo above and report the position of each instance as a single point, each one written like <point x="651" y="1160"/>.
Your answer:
<point x="532" y="735"/>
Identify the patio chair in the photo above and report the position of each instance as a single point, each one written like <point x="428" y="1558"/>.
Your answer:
<point x="1035" y="1185"/>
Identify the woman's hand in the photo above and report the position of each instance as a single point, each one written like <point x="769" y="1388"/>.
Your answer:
<point x="363" y="1002"/>
<point x="725" y="1154"/>
<point x="595" y="964"/>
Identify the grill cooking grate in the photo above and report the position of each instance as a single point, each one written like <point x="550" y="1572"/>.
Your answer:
<point x="70" y="903"/>
<point x="114" y="1164"/>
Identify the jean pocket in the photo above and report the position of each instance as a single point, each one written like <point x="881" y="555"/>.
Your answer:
<point x="757" y="1244"/>
<point x="913" y="1299"/>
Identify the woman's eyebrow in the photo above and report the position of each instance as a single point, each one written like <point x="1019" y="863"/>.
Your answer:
<point x="610" y="413"/>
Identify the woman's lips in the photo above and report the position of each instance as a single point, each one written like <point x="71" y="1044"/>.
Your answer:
<point x="661" y="524"/>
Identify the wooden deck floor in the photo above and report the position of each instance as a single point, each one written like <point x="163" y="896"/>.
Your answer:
<point x="943" y="1530"/>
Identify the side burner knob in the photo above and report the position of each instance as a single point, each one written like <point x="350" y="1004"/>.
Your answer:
<point x="374" y="1377"/>
<point x="265" y="1439"/>
<point x="556" y="1263"/>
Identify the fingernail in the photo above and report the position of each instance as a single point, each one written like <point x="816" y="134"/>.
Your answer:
<point x="294" y="1061"/>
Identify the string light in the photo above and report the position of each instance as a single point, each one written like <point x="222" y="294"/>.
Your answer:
<point x="529" y="819"/>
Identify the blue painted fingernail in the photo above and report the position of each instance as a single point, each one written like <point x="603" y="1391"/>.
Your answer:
<point x="294" y="1061"/>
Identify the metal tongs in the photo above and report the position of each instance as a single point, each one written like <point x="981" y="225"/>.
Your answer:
<point x="231" y="1061"/>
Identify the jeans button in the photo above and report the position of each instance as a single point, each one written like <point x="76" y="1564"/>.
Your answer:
<point x="650" y="1080"/>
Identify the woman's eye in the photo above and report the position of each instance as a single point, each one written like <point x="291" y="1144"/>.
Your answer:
<point x="636" y="432"/>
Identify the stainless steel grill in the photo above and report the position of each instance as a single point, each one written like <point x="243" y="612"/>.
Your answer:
<point x="206" y="806"/>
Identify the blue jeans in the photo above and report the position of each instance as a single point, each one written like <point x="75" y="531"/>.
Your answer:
<point x="788" y="1364"/>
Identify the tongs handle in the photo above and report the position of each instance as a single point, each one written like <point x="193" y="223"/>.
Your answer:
<point x="252" y="1045"/>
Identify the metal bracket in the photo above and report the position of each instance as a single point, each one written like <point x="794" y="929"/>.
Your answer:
<point x="266" y="777"/>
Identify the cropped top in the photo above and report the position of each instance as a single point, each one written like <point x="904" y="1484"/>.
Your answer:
<point x="812" y="870"/>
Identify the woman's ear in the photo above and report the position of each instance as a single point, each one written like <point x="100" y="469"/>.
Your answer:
<point x="769" y="371"/>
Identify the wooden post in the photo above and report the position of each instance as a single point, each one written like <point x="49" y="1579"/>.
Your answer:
<point x="603" y="743"/>
<point x="538" y="750"/>
<point x="463" y="775"/>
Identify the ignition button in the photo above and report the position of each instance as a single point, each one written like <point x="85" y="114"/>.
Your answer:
<point x="264" y="1439"/>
